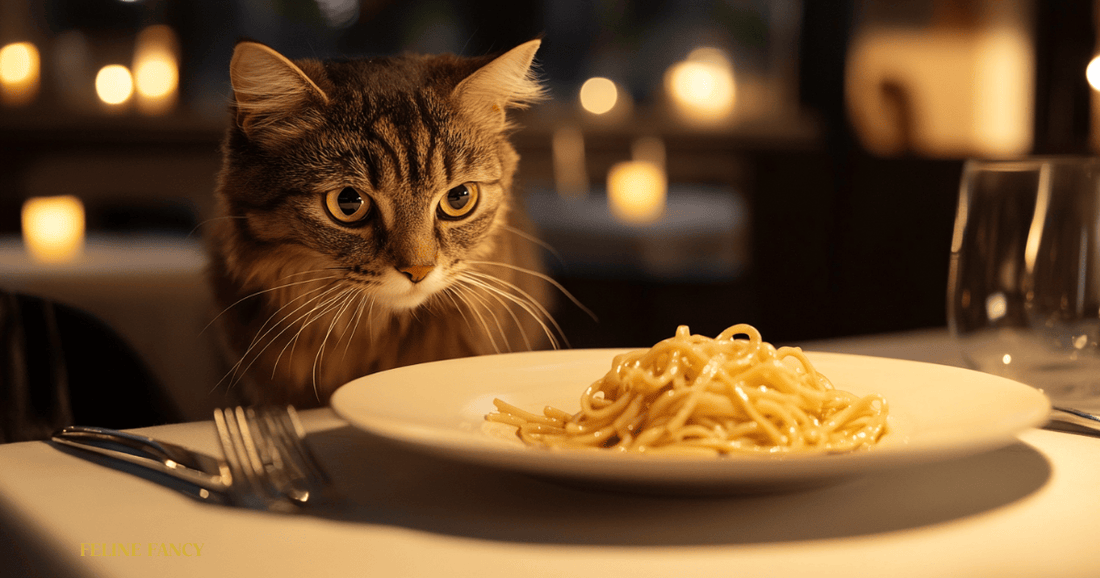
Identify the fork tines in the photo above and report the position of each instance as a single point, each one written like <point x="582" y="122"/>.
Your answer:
<point x="288" y="434"/>
<point x="267" y="457"/>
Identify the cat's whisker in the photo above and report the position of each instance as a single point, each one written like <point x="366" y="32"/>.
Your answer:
<point x="370" y="323"/>
<point x="318" y="311"/>
<point x="532" y="308"/>
<point x="484" y="301"/>
<point x="263" y="331"/>
<point x="476" y="303"/>
<point x="453" y="294"/>
<point x="308" y="317"/>
<point x="469" y="298"/>
<point x="345" y="298"/>
<point x="260" y="335"/>
<point x="348" y="300"/>
<point x="489" y="278"/>
<point x="529" y="237"/>
<point x="211" y="220"/>
<point x="311" y="271"/>
<point x="356" y="309"/>
<point x="339" y="306"/>
<point x="529" y="304"/>
<point x="449" y="293"/>
<point x="524" y="300"/>
<point x="477" y="287"/>
<point x="261" y="292"/>
<point x="544" y="277"/>
<point x="354" y="327"/>
<point x="504" y="304"/>
<point x="256" y="339"/>
<point x="237" y="371"/>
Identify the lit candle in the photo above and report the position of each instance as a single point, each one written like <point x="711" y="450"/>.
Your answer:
<point x="113" y="84"/>
<point x="636" y="191"/>
<point x="53" y="228"/>
<point x="156" y="69"/>
<point x="702" y="87"/>
<point x="19" y="71"/>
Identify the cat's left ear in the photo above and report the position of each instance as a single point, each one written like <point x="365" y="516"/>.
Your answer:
<point x="506" y="82"/>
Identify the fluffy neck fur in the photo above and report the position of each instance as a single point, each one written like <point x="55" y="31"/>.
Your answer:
<point x="310" y="302"/>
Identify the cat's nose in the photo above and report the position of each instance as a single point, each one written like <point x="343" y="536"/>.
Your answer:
<point x="416" y="273"/>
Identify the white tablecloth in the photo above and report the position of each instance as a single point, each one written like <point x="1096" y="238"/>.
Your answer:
<point x="1029" y="509"/>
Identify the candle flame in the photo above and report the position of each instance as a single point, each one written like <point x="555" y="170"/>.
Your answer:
<point x="53" y="228"/>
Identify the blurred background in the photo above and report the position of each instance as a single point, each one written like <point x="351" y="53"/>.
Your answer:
<point x="793" y="164"/>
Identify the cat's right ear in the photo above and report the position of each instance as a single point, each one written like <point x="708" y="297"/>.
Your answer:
<point x="507" y="82"/>
<point x="271" y="92"/>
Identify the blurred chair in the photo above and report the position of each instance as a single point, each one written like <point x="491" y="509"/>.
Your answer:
<point x="61" y="366"/>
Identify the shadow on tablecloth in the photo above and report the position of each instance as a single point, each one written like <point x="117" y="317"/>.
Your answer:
<point x="382" y="483"/>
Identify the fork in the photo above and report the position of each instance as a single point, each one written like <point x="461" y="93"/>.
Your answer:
<point x="266" y="458"/>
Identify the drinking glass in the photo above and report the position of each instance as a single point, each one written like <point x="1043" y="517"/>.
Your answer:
<point x="1024" y="286"/>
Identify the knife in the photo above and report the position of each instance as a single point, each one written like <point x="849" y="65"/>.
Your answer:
<point x="206" y="477"/>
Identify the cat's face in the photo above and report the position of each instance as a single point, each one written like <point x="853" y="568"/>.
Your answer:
<point x="390" y="175"/>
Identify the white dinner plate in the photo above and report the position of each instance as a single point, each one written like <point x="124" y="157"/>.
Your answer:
<point x="937" y="412"/>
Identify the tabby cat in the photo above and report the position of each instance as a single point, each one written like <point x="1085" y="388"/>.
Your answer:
<point x="366" y="219"/>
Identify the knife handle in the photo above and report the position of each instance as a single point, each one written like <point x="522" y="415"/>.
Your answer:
<point x="172" y="460"/>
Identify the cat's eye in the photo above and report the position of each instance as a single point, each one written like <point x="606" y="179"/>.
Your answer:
<point x="459" y="201"/>
<point x="347" y="205"/>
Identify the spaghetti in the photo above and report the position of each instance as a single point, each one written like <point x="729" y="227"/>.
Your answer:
<point x="693" y="394"/>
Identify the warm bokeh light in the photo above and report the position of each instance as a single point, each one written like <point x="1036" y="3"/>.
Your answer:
<point x="636" y="191"/>
<point x="18" y="62"/>
<point x="19" y="71"/>
<point x="156" y="77"/>
<point x="702" y="87"/>
<point x="53" y="228"/>
<point x="113" y="84"/>
<point x="156" y="69"/>
<point x="1092" y="73"/>
<point x="599" y="95"/>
